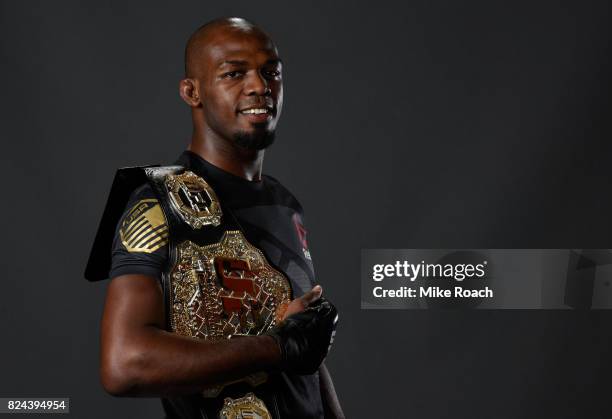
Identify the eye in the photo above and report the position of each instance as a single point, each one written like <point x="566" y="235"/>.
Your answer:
<point x="271" y="73"/>
<point x="232" y="74"/>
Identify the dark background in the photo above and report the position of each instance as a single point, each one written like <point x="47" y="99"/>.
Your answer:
<point x="445" y="124"/>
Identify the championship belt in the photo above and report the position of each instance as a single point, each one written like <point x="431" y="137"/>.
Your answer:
<point x="218" y="285"/>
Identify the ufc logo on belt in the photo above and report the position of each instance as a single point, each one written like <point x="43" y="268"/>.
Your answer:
<point x="236" y="275"/>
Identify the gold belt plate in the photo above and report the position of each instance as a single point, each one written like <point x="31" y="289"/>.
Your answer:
<point x="247" y="407"/>
<point x="193" y="199"/>
<point x="225" y="289"/>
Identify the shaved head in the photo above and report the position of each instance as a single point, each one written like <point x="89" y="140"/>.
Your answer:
<point x="206" y="34"/>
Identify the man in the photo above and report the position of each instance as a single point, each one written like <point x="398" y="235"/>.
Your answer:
<point x="211" y="304"/>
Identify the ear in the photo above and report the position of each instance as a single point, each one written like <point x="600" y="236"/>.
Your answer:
<point x="190" y="92"/>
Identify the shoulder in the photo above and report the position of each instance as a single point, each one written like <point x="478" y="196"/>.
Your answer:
<point x="282" y="195"/>
<point x="143" y="227"/>
<point x="131" y="206"/>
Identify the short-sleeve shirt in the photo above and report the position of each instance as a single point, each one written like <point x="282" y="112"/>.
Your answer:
<point x="271" y="219"/>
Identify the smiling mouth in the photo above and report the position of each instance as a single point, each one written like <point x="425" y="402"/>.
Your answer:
<point x="256" y="111"/>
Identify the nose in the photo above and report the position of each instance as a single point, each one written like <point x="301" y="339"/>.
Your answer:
<point x="256" y="85"/>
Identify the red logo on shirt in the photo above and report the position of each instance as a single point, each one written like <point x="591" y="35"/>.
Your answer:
<point x="301" y="231"/>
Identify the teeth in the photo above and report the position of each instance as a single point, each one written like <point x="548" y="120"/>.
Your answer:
<point x="255" y="111"/>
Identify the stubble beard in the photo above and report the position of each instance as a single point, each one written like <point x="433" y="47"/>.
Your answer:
<point x="259" y="139"/>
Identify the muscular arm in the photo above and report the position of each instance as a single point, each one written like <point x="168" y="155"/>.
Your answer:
<point x="140" y="358"/>
<point x="331" y="404"/>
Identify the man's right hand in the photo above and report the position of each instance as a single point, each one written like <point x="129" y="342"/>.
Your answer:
<point x="305" y="336"/>
<point x="299" y="304"/>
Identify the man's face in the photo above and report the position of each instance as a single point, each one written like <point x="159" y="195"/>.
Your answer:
<point x="242" y="88"/>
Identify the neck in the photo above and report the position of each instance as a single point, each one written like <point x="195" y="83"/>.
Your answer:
<point x="226" y="155"/>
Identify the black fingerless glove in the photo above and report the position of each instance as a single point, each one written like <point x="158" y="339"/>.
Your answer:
<point x="305" y="338"/>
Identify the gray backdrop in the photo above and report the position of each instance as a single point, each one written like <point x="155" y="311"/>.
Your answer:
<point x="446" y="124"/>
